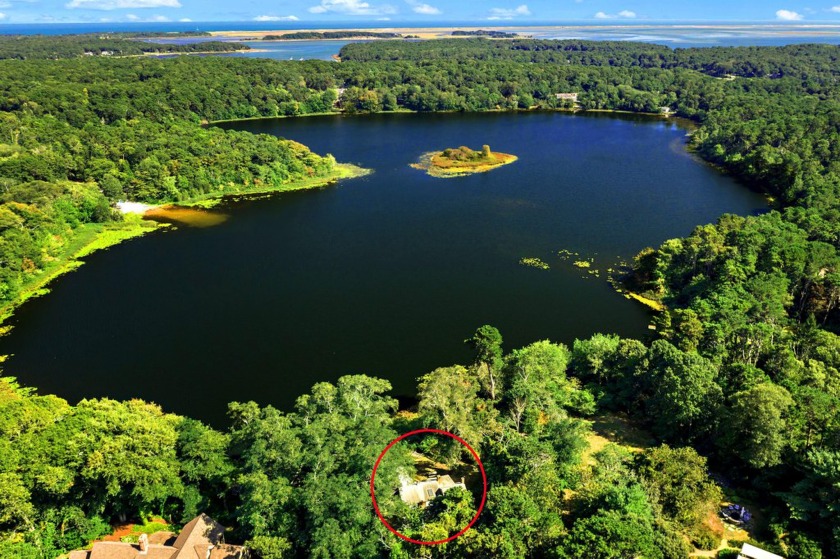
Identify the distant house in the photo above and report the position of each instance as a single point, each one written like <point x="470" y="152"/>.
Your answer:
<point x="201" y="538"/>
<point x="573" y="97"/>
<point x="752" y="552"/>
<point x="421" y="492"/>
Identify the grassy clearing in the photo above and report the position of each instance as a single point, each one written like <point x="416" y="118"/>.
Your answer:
<point x="615" y="429"/>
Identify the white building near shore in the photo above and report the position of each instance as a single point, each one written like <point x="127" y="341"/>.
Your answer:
<point x="421" y="492"/>
<point x="752" y="552"/>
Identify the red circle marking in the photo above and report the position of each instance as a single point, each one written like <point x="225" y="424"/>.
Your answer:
<point x="435" y="432"/>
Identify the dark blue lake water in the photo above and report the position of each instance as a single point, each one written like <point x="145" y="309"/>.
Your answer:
<point x="384" y="275"/>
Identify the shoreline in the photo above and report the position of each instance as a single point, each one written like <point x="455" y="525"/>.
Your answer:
<point x="671" y="116"/>
<point x="344" y="171"/>
<point x="526" y="31"/>
<point x="93" y="238"/>
<point x="96" y="237"/>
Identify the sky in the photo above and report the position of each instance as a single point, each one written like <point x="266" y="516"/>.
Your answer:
<point x="495" y="12"/>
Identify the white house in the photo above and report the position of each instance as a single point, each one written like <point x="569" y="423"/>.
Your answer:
<point x="752" y="552"/>
<point x="421" y="492"/>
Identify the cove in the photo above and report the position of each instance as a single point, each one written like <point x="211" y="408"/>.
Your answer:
<point x="383" y="275"/>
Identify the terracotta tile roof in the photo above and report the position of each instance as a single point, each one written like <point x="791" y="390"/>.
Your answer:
<point x="200" y="531"/>
<point x="224" y="551"/>
<point x="162" y="538"/>
<point x="120" y="550"/>
<point x="198" y="540"/>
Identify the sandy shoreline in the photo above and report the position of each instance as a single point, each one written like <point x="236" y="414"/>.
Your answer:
<point x="135" y="208"/>
<point x="525" y="31"/>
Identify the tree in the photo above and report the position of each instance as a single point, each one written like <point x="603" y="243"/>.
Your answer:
<point x="756" y="425"/>
<point x="16" y="510"/>
<point x="677" y="481"/>
<point x="487" y="343"/>
<point x="119" y="458"/>
<point x="514" y="525"/>
<point x="536" y="386"/>
<point x="683" y="394"/>
<point x="816" y="498"/>
<point x="610" y="535"/>
<point x="448" y="400"/>
<point x="270" y="547"/>
<point x="304" y="476"/>
<point x="205" y="467"/>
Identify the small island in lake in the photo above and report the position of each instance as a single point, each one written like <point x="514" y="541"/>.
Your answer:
<point x="456" y="162"/>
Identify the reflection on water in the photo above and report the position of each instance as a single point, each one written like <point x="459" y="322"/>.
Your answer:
<point x="192" y="217"/>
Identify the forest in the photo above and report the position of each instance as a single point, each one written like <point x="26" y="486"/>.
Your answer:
<point x="29" y="47"/>
<point x="743" y="379"/>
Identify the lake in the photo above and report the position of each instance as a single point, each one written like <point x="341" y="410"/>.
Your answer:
<point x="383" y="275"/>
<point x="277" y="50"/>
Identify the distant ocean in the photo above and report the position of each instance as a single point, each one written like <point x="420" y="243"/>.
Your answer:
<point x="672" y="34"/>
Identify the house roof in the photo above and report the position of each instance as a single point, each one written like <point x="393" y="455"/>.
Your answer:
<point x="120" y="550"/>
<point x="446" y="483"/>
<point x="196" y="535"/>
<point x="418" y="492"/>
<point x="424" y="491"/>
<point x="752" y="552"/>
<point x="225" y="551"/>
<point x="198" y="540"/>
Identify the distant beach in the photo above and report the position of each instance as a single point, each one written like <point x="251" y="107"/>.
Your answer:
<point x="677" y="34"/>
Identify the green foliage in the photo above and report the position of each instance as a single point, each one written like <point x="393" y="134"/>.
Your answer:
<point x="677" y="481"/>
<point x="816" y="498"/>
<point x="68" y="470"/>
<point x="448" y="400"/>
<point x="705" y="539"/>
<point x="270" y="547"/>
<point x="756" y="427"/>
<point x="487" y="344"/>
<point x="26" y="47"/>
<point x="610" y="535"/>
<point x="683" y="395"/>
<point x="800" y="546"/>
<point x="304" y="476"/>
<point x="536" y="387"/>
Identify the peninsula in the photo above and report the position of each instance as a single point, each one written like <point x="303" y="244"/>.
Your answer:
<point x="456" y="162"/>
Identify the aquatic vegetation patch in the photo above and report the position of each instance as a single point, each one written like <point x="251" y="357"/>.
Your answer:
<point x="194" y="217"/>
<point x="534" y="263"/>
